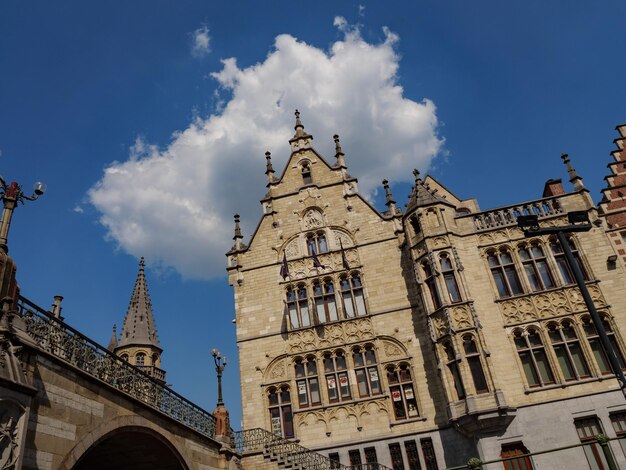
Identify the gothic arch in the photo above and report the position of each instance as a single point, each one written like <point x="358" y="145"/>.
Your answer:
<point x="116" y="427"/>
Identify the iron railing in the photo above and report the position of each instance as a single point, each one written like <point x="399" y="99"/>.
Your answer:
<point x="506" y="216"/>
<point x="289" y="452"/>
<point x="62" y="341"/>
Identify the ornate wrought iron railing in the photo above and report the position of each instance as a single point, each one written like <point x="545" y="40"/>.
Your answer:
<point x="61" y="340"/>
<point x="505" y="216"/>
<point x="289" y="452"/>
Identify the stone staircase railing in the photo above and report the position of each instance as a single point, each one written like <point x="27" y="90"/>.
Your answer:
<point x="61" y="340"/>
<point x="290" y="454"/>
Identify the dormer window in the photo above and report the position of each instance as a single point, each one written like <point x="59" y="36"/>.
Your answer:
<point x="306" y="174"/>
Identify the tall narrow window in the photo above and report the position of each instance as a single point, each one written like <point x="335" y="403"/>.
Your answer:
<point x="449" y="279"/>
<point x="504" y="274"/>
<point x="618" y="420"/>
<point x="415" y="223"/>
<point x="366" y="371"/>
<point x="533" y="357"/>
<point x="280" y="411"/>
<point x="337" y="383"/>
<point x="568" y="351"/>
<point x="355" y="457"/>
<point x="561" y="261"/>
<point x="410" y="447"/>
<point x="588" y="429"/>
<point x="334" y="460"/>
<point x="324" y="297"/>
<point x="536" y="267"/>
<point x="306" y="174"/>
<point x="453" y="366"/>
<point x="475" y="365"/>
<point x="316" y="242"/>
<point x="402" y="392"/>
<point x="429" y="280"/>
<point x="352" y="296"/>
<point x="596" y="345"/>
<point x="429" y="454"/>
<point x="298" y="306"/>
<point x="511" y="452"/>
<point x="307" y="382"/>
<point x="140" y="359"/>
<point x="370" y="455"/>
<point x="395" y="451"/>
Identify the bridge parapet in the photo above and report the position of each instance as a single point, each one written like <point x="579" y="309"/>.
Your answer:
<point x="64" y="342"/>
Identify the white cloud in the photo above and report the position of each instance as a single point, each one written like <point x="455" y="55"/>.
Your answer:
<point x="201" y="42"/>
<point x="78" y="209"/>
<point x="175" y="205"/>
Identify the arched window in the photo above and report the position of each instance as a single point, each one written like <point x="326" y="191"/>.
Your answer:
<point x="155" y="359"/>
<point x="307" y="382"/>
<point x="453" y="366"/>
<point x="324" y="297"/>
<point x="402" y="392"/>
<point x="124" y="357"/>
<point x="504" y="273"/>
<point x="596" y="346"/>
<point x="449" y="278"/>
<point x="140" y="359"/>
<point x="475" y="365"/>
<point x="316" y="242"/>
<point x="281" y="415"/>
<point x="561" y="261"/>
<point x="533" y="357"/>
<point x="568" y="352"/>
<point x="306" y="174"/>
<point x="536" y="267"/>
<point x="415" y="223"/>
<point x="366" y="371"/>
<point x="298" y="306"/>
<point x="337" y="383"/>
<point x="431" y="284"/>
<point x="352" y="296"/>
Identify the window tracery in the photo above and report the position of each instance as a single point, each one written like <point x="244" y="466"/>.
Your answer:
<point x="402" y="391"/>
<point x="281" y="415"/>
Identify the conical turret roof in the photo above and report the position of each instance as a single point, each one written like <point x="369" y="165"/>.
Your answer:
<point x="422" y="195"/>
<point x="139" y="325"/>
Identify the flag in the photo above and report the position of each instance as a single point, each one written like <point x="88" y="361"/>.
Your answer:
<point x="284" y="268"/>
<point x="316" y="262"/>
<point x="344" y="261"/>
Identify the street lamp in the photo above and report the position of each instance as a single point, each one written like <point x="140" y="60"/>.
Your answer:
<point x="220" y="365"/>
<point x="578" y="222"/>
<point x="11" y="194"/>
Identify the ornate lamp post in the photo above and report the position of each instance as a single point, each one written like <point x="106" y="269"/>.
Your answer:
<point x="222" y="421"/>
<point x="220" y="365"/>
<point x="12" y="194"/>
<point x="578" y="222"/>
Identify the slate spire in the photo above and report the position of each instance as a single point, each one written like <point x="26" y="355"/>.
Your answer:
<point x="113" y="341"/>
<point x="139" y="326"/>
<point x="422" y="195"/>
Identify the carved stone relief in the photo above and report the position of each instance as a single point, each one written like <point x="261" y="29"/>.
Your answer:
<point x="461" y="316"/>
<point x="10" y="429"/>
<point x="277" y="370"/>
<point x="342" y="413"/>
<point x="313" y="218"/>
<point x="392" y="350"/>
<point x="333" y="334"/>
<point x="346" y="241"/>
<point x="548" y="304"/>
<point x="292" y="250"/>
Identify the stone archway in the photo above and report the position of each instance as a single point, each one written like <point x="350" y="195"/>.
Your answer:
<point x="131" y="448"/>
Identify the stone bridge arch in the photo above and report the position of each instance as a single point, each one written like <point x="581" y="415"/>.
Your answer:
<point x="127" y="442"/>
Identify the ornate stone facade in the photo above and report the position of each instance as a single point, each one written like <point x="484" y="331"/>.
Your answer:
<point x="440" y="328"/>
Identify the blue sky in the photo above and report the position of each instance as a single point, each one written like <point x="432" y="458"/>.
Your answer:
<point x="149" y="142"/>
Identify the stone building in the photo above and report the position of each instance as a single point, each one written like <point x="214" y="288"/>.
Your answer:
<point x="422" y="337"/>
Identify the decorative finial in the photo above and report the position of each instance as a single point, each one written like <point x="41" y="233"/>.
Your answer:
<point x="339" y="155"/>
<point x="269" y="169"/>
<point x="298" y="122"/>
<point x="416" y="173"/>
<point x="576" y="180"/>
<point x="390" y="203"/>
<point x="237" y="228"/>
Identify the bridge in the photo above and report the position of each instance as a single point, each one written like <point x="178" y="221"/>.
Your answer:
<point x="66" y="402"/>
